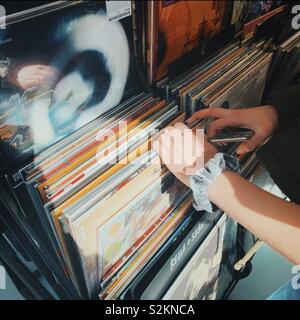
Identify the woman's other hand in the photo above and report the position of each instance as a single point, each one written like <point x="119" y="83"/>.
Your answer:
<point x="262" y="120"/>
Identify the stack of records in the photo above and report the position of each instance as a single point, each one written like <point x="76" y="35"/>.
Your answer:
<point x="227" y="80"/>
<point x="103" y="189"/>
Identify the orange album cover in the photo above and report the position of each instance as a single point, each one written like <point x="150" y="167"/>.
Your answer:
<point x="183" y="26"/>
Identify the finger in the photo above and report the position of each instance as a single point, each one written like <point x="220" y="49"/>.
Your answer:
<point x="222" y="123"/>
<point x="166" y="144"/>
<point x="180" y="125"/>
<point x="249" y="145"/>
<point x="155" y="146"/>
<point x="165" y="130"/>
<point x="175" y="132"/>
<point x="209" y="112"/>
<point x="159" y="149"/>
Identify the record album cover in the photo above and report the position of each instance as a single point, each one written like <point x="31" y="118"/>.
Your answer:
<point x="201" y="277"/>
<point x="240" y="94"/>
<point x="60" y="69"/>
<point x="182" y="26"/>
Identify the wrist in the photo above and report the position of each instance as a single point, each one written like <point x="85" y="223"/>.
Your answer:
<point x="209" y="151"/>
<point x="205" y="183"/>
<point x="215" y="190"/>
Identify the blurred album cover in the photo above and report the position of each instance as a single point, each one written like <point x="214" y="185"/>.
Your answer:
<point x="61" y="68"/>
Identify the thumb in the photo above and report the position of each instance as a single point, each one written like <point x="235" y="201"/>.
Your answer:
<point x="249" y="145"/>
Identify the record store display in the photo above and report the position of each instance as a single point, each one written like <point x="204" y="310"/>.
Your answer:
<point x="84" y="198"/>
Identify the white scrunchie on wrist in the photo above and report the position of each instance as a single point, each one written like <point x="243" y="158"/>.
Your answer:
<point x="200" y="182"/>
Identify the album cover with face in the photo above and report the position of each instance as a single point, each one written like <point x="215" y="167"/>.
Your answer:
<point x="60" y="68"/>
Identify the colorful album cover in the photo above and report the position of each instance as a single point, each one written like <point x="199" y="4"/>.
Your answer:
<point x="122" y="231"/>
<point x="184" y="26"/>
<point x="59" y="70"/>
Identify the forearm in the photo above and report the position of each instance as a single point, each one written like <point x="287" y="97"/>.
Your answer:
<point x="273" y="220"/>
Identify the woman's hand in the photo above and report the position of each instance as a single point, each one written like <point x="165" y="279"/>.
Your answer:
<point x="262" y="120"/>
<point x="183" y="150"/>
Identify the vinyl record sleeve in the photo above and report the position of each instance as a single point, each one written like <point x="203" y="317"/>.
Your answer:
<point x="135" y="141"/>
<point x="198" y="278"/>
<point x="287" y="42"/>
<point x="89" y="230"/>
<point x="250" y="27"/>
<point x="51" y="88"/>
<point x="249" y="13"/>
<point x="157" y="276"/>
<point x="241" y="94"/>
<point x="113" y="288"/>
<point x="208" y="84"/>
<point x="93" y="152"/>
<point x="129" y="227"/>
<point x="89" y="144"/>
<point x="174" y="86"/>
<point x="258" y="8"/>
<point x="57" y="213"/>
<point x="203" y="81"/>
<point x="30" y="203"/>
<point x="238" y="12"/>
<point x="243" y="73"/>
<point x="50" y="158"/>
<point x="109" y="186"/>
<point x="196" y="21"/>
<point x="26" y="195"/>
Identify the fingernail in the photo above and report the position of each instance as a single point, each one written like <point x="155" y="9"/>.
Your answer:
<point x="242" y="150"/>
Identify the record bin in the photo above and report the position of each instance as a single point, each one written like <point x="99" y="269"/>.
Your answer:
<point x="88" y="210"/>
